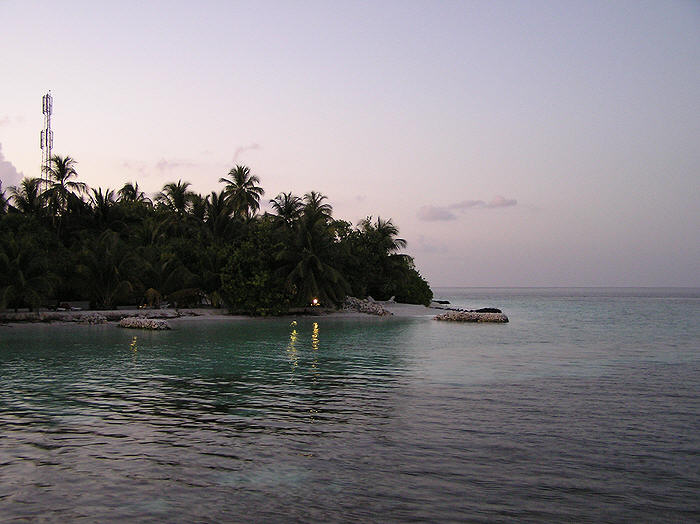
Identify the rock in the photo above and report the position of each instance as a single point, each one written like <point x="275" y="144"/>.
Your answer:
<point x="486" y="310"/>
<point x="143" y="323"/>
<point x="472" y="316"/>
<point x="90" y="318"/>
<point x="443" y="302"/>
<point x="365" y="306"/>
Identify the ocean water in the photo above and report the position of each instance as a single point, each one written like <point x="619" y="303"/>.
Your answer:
<point x="585" y="407"/>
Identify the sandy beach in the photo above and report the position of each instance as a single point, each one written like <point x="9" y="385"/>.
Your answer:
<point x="87" y="317"/>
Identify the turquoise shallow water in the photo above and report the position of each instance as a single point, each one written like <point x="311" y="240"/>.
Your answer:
<point x="584" y="407"/>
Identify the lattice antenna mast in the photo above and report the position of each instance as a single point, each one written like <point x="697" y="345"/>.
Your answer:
<point x="46" y="137"/>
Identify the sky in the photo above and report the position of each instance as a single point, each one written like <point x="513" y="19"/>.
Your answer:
<point x="514" y="143"/>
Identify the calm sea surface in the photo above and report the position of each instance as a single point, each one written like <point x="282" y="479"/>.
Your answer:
<point x="585" y="407"/>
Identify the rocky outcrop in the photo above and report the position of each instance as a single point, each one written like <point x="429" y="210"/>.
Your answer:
<point x="144" y="323"/>
<point x="90" y="318"/>
<point x="367" y="305"/>
<point x="472" y="316"/>
<point x="440" y="305"/>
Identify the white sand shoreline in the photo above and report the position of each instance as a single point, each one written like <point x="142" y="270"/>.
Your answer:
<point x="180" y="316"/>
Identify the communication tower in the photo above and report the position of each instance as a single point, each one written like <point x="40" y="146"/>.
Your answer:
<point x="46" y="137"/>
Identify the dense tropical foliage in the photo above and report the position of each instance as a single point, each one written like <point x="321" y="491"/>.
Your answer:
<point x="61" y="240"/>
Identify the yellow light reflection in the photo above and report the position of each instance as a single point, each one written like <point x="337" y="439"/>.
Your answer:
<point x="292" y="346"/>
<point x="134" y="349"/>
<point x="314" y="337"/>
<point x="314" y="347"/>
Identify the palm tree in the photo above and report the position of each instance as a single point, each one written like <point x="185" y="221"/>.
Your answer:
<point x="219" y="214"/>
<point x="287" y="207"/>
<point x="198" y="207"/>
<point x="242" y="191"/>
<point x="211" y="263"/>
<point x="131" y="193"/>
<point x="309" y="275"/>
<point x="307" y="260"/>
<point x="27" y="197"/>
<point x="176" y="197"/>
<point x="149" y="232"/>
<point x="379" y="247"/>
<point x="3" y="200"/>
<point x="164" y="273"/>
<point x="102" y="201"/>
<point x="315" y="208"/>
<point x="25" y="278"/>
<point x="62" y="191"/>
<point x="384" y="234"/>
<point x="105" y="265"/>
<point x="104" y="208"/>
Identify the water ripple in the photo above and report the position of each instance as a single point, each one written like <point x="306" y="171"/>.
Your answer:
<point x="391" y="421"/>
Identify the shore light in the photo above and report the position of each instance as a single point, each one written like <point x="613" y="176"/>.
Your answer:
<point x="315" y="302"/>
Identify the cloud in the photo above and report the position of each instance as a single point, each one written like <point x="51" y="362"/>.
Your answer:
<point x="167" y="165"/>
<point x="8" y="173"/>
<point x="434" y="213"/>
<point x="429" y="246"/>
<point x="499" y="201"/>
<point x="130" y="165"/>
<point x="242" y="149"/>
<point x="4" y="120"/>
<point x="466" y="204"/>
<point x="139" y="167"/>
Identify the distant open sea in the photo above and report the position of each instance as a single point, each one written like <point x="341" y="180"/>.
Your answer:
<point x="584" y="408"/>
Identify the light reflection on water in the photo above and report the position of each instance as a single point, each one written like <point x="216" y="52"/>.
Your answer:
<point x="322" y="419"/>
<point x="292" y="346"/>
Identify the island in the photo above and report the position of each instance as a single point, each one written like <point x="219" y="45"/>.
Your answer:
<point x="62" y="242"/>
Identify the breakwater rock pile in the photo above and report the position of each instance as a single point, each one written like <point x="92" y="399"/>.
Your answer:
<point x="90" y="318"/>
<point x="367" y="305"/>
<point x="144" y="323"/>
<point x="472" y="316"/>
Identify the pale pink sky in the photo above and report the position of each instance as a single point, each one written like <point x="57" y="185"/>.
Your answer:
<point x="518" y="143"/>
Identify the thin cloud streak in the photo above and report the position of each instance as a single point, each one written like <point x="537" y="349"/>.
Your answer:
<point x="240" y="150"/>
<point x="466" y="204"/>
<point x="164" y="165"/>
<point x="434" y="213"/>
<point x="445" y="213"/>
<point x="500" y="201"/>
